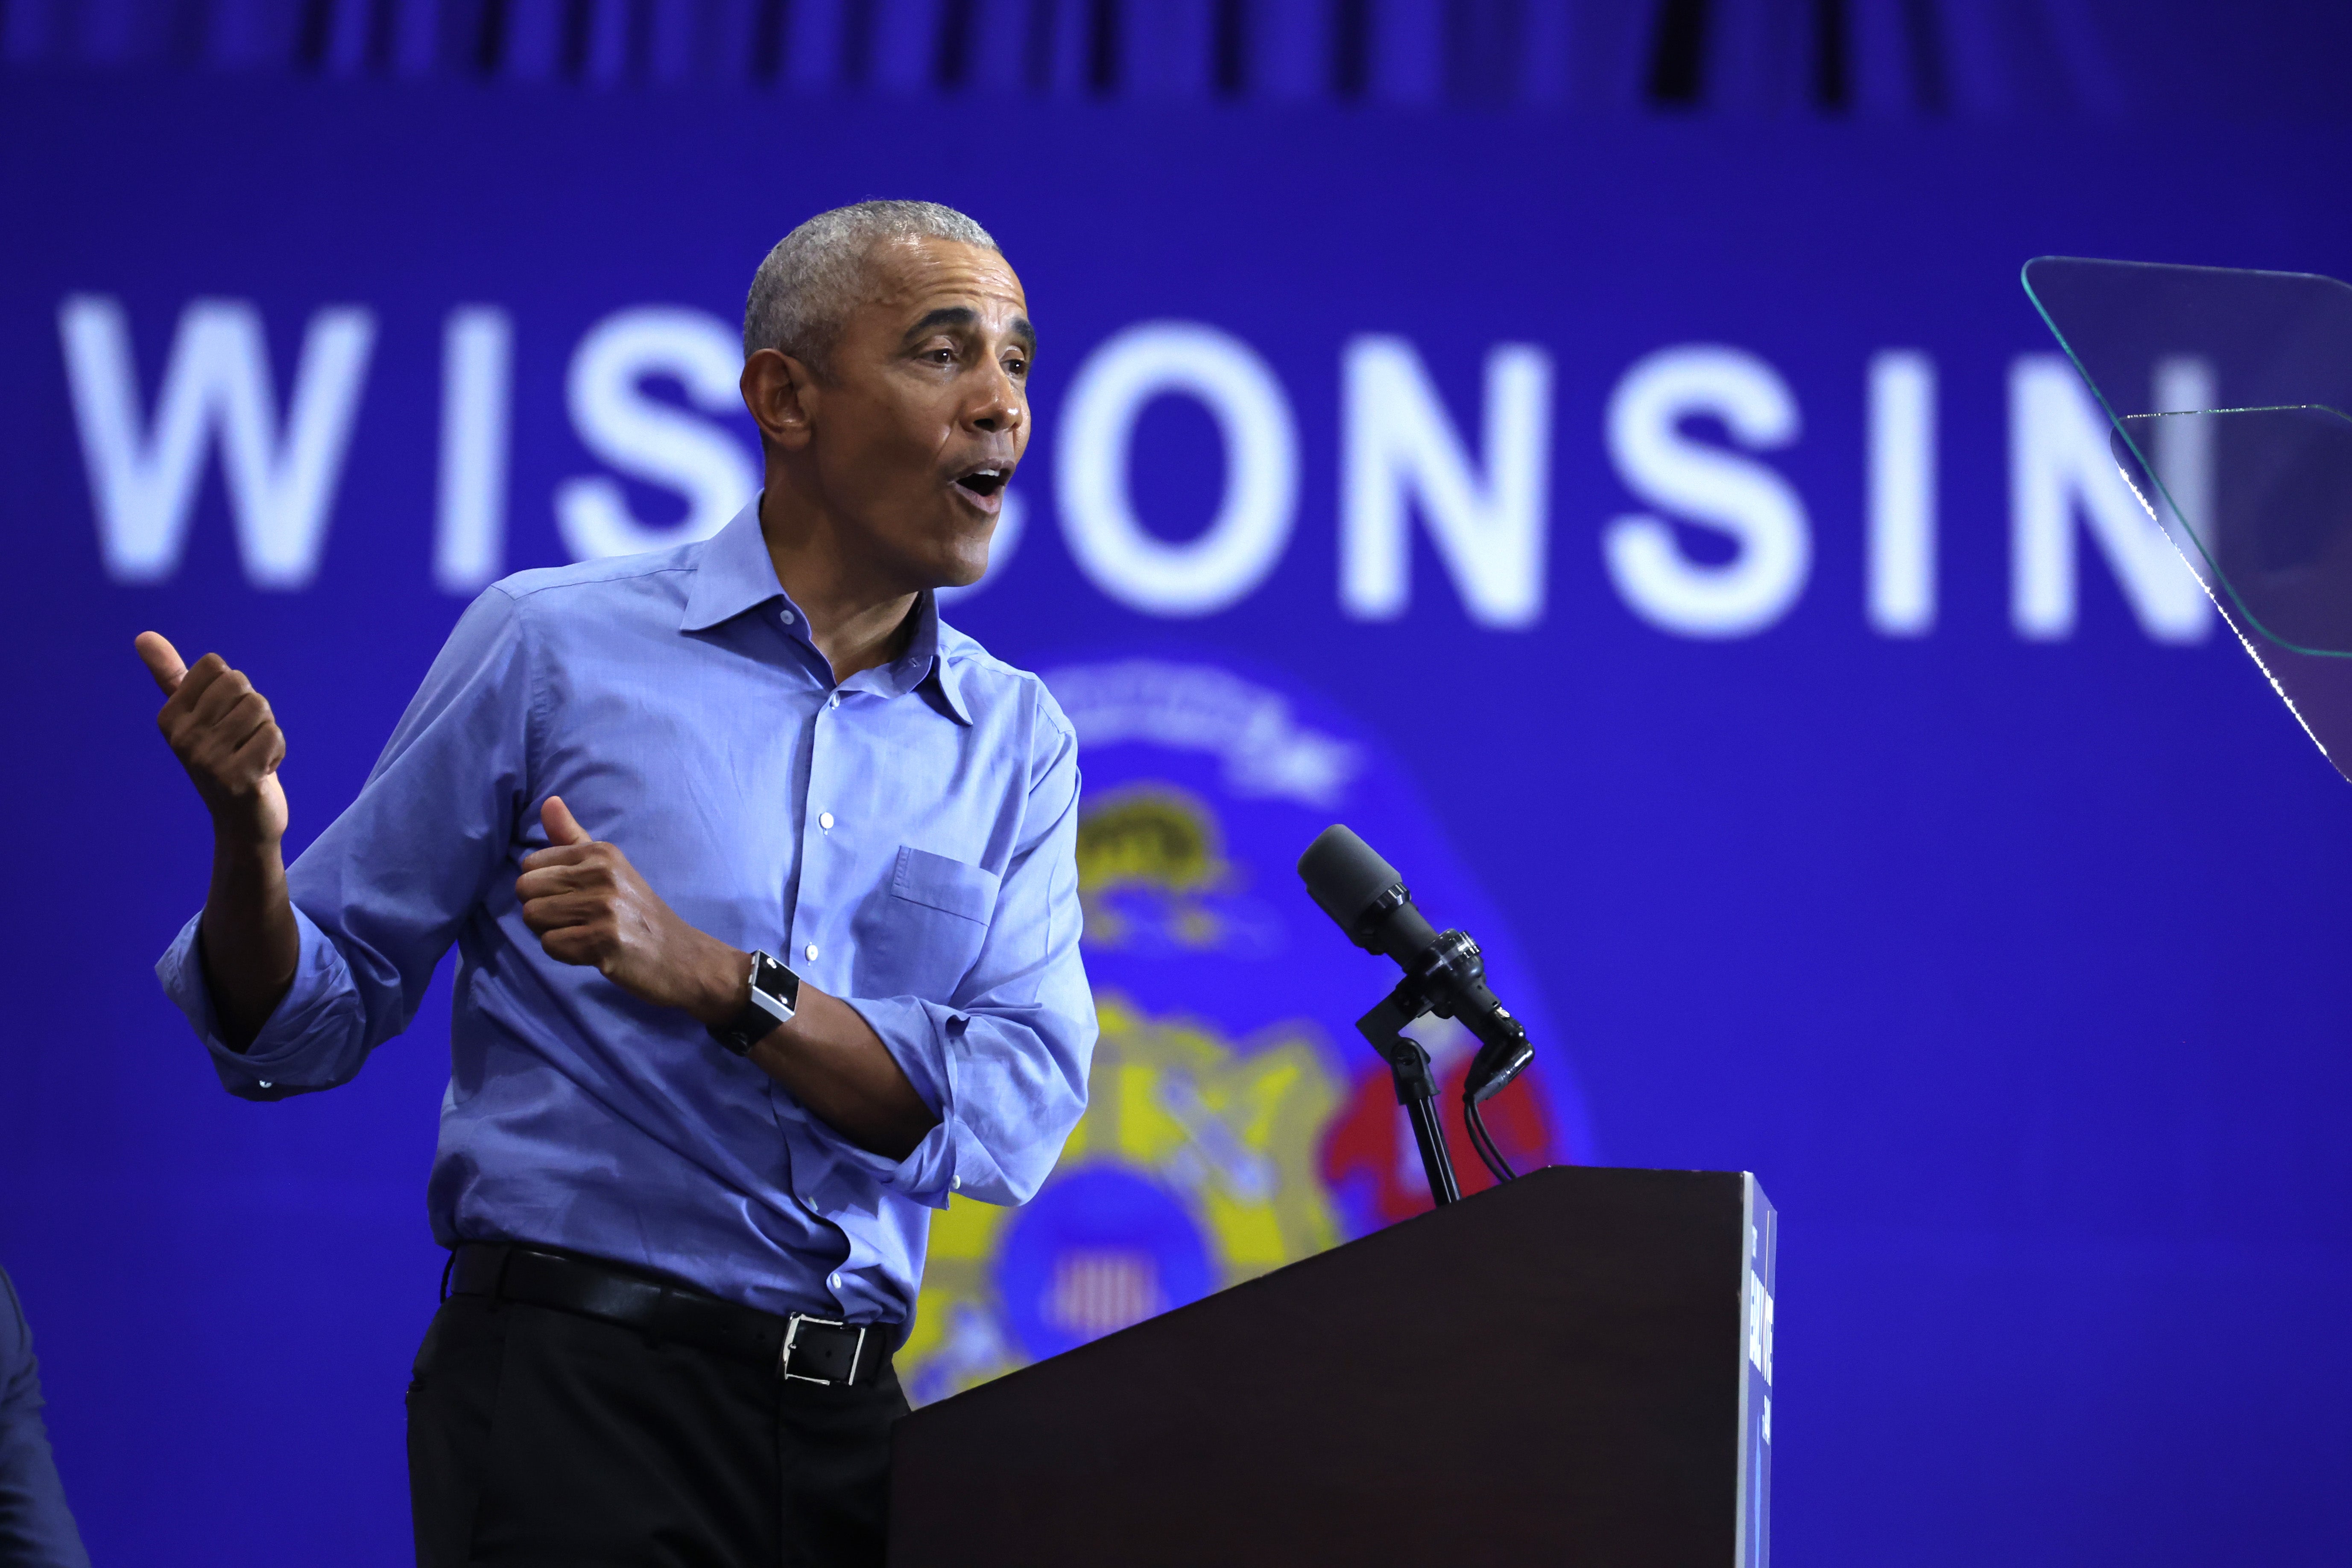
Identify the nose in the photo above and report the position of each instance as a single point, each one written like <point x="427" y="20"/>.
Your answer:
<point x="997" y="408"/>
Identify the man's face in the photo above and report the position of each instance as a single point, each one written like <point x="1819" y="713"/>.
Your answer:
<point x="925" y="414"/>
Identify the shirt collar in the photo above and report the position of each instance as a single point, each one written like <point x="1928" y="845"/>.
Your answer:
<point x="734" y="574"/>
<point x="926" y="660"/>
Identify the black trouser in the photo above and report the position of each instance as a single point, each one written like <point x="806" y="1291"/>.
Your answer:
<point x="541" y="1439"/>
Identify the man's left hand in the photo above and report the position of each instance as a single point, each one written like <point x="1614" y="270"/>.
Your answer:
<point x="589" y="907"/>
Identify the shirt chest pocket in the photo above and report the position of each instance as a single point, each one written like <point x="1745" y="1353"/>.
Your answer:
<point x="919" y="933"/>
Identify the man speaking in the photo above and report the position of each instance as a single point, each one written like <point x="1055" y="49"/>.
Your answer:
<point x="763" y="887"/>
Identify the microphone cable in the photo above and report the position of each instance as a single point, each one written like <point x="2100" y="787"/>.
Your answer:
<point x="1489" y="1151"/>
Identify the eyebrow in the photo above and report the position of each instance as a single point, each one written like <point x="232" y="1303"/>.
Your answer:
<point x="965" y="316"/>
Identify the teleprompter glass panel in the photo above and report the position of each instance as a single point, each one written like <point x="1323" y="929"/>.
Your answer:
<point x="2228" y="392"/>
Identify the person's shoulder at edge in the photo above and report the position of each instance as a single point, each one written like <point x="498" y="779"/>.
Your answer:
<point x="15" y="1339"/>
<point x="989" y="681"/>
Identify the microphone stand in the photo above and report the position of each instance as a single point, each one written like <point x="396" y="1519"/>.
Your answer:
<point x="1416" y="1086"/>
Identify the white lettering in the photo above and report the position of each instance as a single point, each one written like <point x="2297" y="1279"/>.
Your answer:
<point x="2058" y="463"/>
<point x="1400" y="448"/>
<point x="1902" y="568"/>
<point x="651" y="440"/>
<point x="1709" y="487"/>
<point x="281" y="485"/>
<point x="470" y="520"/>
<point x="1251" y="526"/>
<point x="2183" y="455"/>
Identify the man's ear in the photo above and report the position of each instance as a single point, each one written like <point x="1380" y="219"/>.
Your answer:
<point x="781" y="394"/>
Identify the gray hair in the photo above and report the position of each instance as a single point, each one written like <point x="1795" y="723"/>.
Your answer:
<point x="810" y="281"/>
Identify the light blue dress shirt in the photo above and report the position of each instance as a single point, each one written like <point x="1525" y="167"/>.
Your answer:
<point x="906" y="840"/>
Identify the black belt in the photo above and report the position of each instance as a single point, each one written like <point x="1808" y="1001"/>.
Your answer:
<point x="800" y="1348"/>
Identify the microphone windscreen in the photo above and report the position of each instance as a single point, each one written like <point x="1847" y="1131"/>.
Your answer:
<point x="1344" y="874"/>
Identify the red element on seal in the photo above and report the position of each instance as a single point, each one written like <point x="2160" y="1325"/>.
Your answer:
<point x="1369" y="1152"/>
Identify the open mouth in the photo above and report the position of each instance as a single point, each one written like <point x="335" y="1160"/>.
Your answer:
<point x="984" y="482"/>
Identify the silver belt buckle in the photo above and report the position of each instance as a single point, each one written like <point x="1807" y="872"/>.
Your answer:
<point x="792" y="1336"/>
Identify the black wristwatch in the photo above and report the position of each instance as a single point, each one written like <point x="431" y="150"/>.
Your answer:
<point x="775" y="992"/>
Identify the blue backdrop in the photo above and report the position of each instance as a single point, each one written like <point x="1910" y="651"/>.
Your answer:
<point x="1993" y="915"/>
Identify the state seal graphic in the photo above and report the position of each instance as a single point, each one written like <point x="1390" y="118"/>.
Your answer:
<point x="1235" y="1120"/>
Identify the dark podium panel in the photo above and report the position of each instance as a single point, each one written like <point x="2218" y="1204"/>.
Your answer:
<point x="1571" y="1369"/>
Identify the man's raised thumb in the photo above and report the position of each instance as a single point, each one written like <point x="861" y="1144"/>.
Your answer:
<point x="562" y="828"/>
<point x="163" y="660"/>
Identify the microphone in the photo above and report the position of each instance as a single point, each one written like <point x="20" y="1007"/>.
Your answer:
<point x="1369" y="902"/>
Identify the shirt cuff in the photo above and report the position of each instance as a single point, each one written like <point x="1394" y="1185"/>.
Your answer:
<point x="916" y="1035"/>
<point x="295" y="1050"/>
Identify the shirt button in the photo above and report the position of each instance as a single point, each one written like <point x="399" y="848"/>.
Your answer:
<point x="788" y="618"/>
<point x="825" y="820"/>
<point x="834" y="700"/>
<point x="955" y="1183"/>
<point x="833" y="1281"/>
<point x="811" y="951"/>
<point x="264" y="1083"/>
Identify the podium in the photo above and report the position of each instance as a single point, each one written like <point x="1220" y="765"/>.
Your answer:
<point x="1572" y="1369"/>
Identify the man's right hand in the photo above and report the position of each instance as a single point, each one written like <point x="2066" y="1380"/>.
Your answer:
<point x="222" y="731"/>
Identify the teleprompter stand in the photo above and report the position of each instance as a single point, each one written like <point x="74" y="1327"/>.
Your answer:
<point x="1573" y="1368"/>
<point x="1416" y="1085"/>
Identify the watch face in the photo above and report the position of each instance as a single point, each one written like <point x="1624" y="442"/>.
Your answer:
<point x="775" y="990"/>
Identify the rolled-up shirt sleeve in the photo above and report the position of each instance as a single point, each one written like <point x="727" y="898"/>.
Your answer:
<point x="1003" y="1061"/>
<point x="381" y="894"/>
